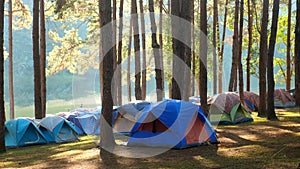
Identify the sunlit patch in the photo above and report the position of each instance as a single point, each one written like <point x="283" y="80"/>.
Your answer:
<point x="274" y="131"/>
<point x="297" y="133"/>
<point x="207" y="162"/>
<point x="226" y="140"/>
<point x="66" y="154"/>
<point x="5" y="164"/>
<point x="251" y="137"/>
<point x="248" y="151"/>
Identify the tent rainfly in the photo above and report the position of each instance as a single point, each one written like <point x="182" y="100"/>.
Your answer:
<point x="57" y="129"/>
<point x="22" y="132"/>
<point x="226" y="108"/>
<point x="173" y="124"/>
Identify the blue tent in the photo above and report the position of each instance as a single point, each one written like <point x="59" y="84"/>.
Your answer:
<point x="173" y="124"/>
<point x="124" y="117"/>
<point x="73" y="118"/>
<point x="85" y="120"/>
<point x="22" y="132"/>
<point x="90" y="123"/>
<point x="57" y="129"/>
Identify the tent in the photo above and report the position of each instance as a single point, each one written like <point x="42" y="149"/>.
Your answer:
<point x="57" y="129"/>
<point x="283" y="99"/>
<point x="252" y="100"/>
<point x="173" y="124"/>
<point x="73" y="118"/>
<point x="125" y="116"/>
<point x="86" y="121"/>
<point x="226" y="108"/>
<point x="90" y="123"/>
<point x="194" y="99"/>
<point x="22" y="132"/>
<point x="292" y="92"/>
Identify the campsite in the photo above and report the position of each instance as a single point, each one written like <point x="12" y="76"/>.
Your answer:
<point x="261" y="144"/>
<point x="150" y="84"/>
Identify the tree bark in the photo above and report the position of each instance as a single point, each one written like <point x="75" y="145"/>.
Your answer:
<point x="193" y="51"/>
<point x="182" y="49"/>
<point x="120" y="47"/>
<point x="250" y="22"/>
<point x="240" y="66"/>
<point x="297" y="54"/>
<point x="2" y="104"/>
<point x="235" y="50"/>
<point x="128" y="61"/>
<point x="36" y="61"/>
<point x="222" y="50"/>
<point x="106" y="43"/>
<point x="288" y="48"/>
<point x="187" y="45"/>
<point x="161" y="47"/>
<point x="43" y="58"/>
<point x="203" y="57"/>
<point x="271" y="84"/>
<point x="138" y="90"/>
<point x="114" y="83"/>
<point x="11" y="72"/>
<point x="144" y="69"/>
<point x="177" y="51"/>
<point x="156" y="47"/>
<point x="215" y="22"/>
<point x="263" y="53"/>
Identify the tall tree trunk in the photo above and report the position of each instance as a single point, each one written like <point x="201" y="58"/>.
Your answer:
<point x="120" y="47"/>
<point x="169" y="6"/>
<point x="233" y="73"/>
<point x="144" y="69"/>
<point x="43" y="58"/>
<point x="297" y="54"/>
<point x="193" y="51"/>
<point x="138" y="90"/>
<point x="182" y="49"/>
<point x="215" y="22"/>
<point x="218" y="43"/>
<point x="2" y="105"/>
<point x="169" y="61"/>
<point x="11" y="72"/>
<point x="161" y="47"/>
<point x="36" y="61"/>
<point x="222" y="50"/>
<point x="177" y="51"/>
<point x="240" y="66"/>
<point x="187" y="45"/>
<point x="129" y="61"/>
<point x="288" y="48"/>
<point x="203" y="57"/>
<point x="271" y="84"/>
<point x="106" y="41"/>
<point x="263" y="53"/>
<point x="235" y="85"/>
<point x="114" y="21"/>
<point x="250" y="21"/>
<point x="156" y="47"/>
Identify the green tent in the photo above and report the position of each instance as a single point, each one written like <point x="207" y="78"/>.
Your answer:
<point x="226" y="108"/>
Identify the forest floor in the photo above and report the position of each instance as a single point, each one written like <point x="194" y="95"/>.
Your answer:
<point x="259" y="144"/>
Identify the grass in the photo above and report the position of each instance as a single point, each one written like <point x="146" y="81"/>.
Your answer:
<point x="53" y="107"/>
<point x="259" y="144"/>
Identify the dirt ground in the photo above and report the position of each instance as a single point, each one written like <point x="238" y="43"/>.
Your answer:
<point x="260" y="144"/>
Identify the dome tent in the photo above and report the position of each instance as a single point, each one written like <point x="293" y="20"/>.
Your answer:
<point x="57" y="129"/>
<point x="125" y="116"/>
<point x="22" y="132"/>
<point x="283" y="99"/>
<point x="172" y="123"/>
<point x="226" y="108"/>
